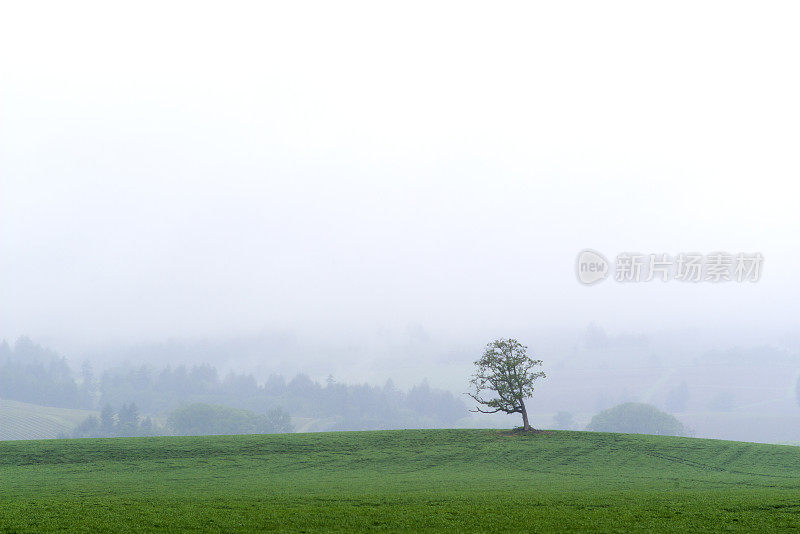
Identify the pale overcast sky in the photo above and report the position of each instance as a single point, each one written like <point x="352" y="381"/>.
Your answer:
<point x="187" y="169"/>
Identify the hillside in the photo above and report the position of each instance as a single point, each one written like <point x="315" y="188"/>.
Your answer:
<point x="21" y="420"/>
<point x="473" y="480"/>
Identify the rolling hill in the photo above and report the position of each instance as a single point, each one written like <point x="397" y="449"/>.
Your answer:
<point x="21" y="420"/>
<point x="409" y="480"/>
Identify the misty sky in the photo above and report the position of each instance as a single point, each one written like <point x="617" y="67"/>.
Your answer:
<point x="175" y="169"/>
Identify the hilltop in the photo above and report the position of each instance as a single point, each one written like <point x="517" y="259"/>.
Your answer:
<point x="474" y="480"/>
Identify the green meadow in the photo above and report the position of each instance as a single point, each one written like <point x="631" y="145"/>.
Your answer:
<point x="407" y="480"/>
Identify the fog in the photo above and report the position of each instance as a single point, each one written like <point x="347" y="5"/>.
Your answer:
<point x="372" y="193"/>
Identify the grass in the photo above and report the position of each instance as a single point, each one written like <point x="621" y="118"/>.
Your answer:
<point x="20" y="420"/>
<point x="413" y="480"/>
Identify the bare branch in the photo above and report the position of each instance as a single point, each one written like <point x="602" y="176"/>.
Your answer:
<point x="478" y="410"/>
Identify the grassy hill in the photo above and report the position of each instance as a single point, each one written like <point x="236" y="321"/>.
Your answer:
<point x="20" y="420"/>
<point x="413" y="480"/>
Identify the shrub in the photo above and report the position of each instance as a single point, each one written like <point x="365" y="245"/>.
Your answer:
<point x="636" y="418"/>
<point x="210" y="419"/>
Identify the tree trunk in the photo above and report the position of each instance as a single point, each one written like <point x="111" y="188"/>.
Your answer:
<point x="525" y="424"/>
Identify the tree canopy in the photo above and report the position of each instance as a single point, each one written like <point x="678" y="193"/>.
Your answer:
<point x="504" y="378"/>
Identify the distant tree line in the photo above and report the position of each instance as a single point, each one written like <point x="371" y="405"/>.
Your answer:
<point x="190" y="420"/>
<point x="208" y="419"/>
<point x="341" y="406"/>
<point x="30" y="373"/>
<point x="125" y="422"/>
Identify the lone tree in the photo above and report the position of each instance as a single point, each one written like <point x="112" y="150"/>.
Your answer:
<point x="505" y="369"/>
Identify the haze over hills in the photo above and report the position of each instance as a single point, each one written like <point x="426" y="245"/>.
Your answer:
<point x="715" y="393"/>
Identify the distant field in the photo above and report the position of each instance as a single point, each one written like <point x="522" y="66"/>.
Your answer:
<point x="411" y="480"/>
<point x="20" y="420"/>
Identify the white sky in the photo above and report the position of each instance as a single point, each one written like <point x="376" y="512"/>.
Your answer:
<point x="183" y="169"/>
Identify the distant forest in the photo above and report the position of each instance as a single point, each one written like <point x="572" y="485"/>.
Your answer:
<point x="31" y="373"/>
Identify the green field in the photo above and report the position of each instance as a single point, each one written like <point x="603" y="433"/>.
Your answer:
<point x="413" y="480"/>
<point x="21" y="420"/>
